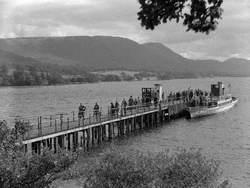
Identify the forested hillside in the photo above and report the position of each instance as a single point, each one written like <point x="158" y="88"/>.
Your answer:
<point x="53" y="60"/>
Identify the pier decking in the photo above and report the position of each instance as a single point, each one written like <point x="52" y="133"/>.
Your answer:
<point x="72" y="133"/>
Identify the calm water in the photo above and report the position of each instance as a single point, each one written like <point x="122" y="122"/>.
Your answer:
<point x="225" y="136"/>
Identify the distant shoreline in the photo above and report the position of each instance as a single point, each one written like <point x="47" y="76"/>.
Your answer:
<point x="80" y="83"/>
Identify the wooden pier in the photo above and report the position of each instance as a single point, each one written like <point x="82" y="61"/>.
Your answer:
<point x="74" y="133"/>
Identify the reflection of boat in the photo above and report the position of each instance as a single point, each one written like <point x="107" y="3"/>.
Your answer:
<point x="218" y="102"/>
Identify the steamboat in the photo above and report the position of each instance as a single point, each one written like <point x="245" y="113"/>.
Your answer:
<point x="217" y="102"/>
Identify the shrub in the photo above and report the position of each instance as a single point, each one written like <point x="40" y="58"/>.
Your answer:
<point x="17" y="170"/>
<point x="182" y="170"/>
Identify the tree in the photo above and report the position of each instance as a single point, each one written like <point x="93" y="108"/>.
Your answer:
<point x="197" y="15"/>
<point x="18" y="170"/>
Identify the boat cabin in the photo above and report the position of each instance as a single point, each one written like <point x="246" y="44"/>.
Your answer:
<point x="152" y="94"/>
<point x="217" y="90"/>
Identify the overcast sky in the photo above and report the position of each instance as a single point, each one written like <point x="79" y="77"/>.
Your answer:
<point x="28" y="18"/>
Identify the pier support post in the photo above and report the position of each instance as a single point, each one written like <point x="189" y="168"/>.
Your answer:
<point x="123" y="127"/>
<point x="169" y="113"/>
<point x="141" y="123"/>
<point x="75" y="140"/>
<point x="79" y="139"/>
<point x="113" y="130"/>
<point x="84" y="137"/>
<point x="109" y="131"/>
<point x="106" y="131"/>
<point x="158" y="115"/>
<point x="103" y="132"/>
<point x="152" y="120"/>
<point x="29" y="149"/>
<point x="52" y="144"/>
<point x="148" y="121"/>
<point x="118" y="128"/>
<point x="132" y="124"/>
<point x="55" y="144"/>
<point x="66" y="142"/>
<point x="127" y="127"/>
<point x="99" y="134"/>
<point x="88" y="139"/>
<point x="93" y="136"/>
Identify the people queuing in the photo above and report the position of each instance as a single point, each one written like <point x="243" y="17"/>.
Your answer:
<point x="195" y="97"/>
<point x="124" y="107"/>
<point x="96" y="112"/>
<point x="81" y="111"/>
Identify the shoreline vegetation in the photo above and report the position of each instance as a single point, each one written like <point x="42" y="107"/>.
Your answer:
<point x="110" y="169"/>
<point x="47" y="74"/>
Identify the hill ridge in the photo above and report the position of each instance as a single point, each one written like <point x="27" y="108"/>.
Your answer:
<point x="113" y="53"/>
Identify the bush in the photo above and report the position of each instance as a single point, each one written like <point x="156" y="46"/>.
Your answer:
<point x="182" y="170"/>
<point x="17" y="170"/>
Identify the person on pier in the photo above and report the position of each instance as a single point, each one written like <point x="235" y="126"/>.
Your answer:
<point x="124" y="107"/>
<point x="81" y="112"/>
<point x="112" y="109"/>
<point x="116" y="108"/>
<point x="131" y="103"/>
<point x="96" y="111"/>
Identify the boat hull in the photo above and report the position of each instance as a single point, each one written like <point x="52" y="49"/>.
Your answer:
<point x="195" y="112"/>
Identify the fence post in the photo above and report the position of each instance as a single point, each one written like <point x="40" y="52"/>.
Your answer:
<point x="73" y="116"/>
<point x="40" y="125"/>
<point x="28" y="133"/>
<point x="55" y="126"/>
<point x="61" y="120"/>
<point x="50" y="120"/>
<point x="89" y="118"/>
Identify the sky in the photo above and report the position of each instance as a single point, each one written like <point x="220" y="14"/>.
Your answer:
<point x="33" y="18"/>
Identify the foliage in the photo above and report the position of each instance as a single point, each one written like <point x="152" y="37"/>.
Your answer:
<point x="17" y="169"/>
<point x="197" y="15"/>
<point x="126" y="77"/>
<point x="110" y="78"/>
<point x="181" y="170"/>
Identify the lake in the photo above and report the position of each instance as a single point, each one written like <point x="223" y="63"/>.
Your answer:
<point x="224" y="136"/>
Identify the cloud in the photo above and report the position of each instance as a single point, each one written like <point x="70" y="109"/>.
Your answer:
<point x="24" y="18"/>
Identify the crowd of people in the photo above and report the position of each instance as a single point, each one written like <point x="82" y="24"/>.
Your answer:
<point x="195" y="97"/>
<point x="114" y="109"/>
<point x="192" y="97"/>
<point x="124" y="106"/>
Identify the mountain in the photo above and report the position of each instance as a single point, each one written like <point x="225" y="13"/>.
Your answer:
<point x="237" y="60"/>
<point x="96" y="52"/>
<point x="9" y="58"/>
<point x="112" y="53"/>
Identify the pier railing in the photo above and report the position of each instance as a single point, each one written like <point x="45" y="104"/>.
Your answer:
<point x="49" y="125"/>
